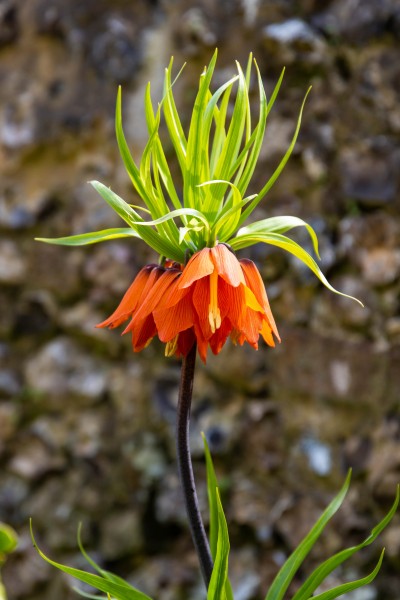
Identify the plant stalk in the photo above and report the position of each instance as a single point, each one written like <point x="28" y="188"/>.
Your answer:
<point x="185" y="466"/>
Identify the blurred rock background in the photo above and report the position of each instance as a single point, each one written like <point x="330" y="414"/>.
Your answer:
<point x="87" y="428"/>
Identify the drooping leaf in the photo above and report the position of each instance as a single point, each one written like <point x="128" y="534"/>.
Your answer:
<point x="159" y="243"/>
<point x="281" y="241"/>
<point x="93" y="237"/>
<point x="280" y="225"/>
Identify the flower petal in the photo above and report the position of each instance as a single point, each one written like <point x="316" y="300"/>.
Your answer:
<point x="227" y="265"/>
<point x="231" y="301"/>
<point x="218" y="339"/>
<point x="201" y="302"/>
<point x="154" y="294"/>
<point x="199" y="266"/>
<point x="173" y="295"/>
<point x="130" y="299"/>
<point x="266" y="333"/>
<point x="174" y="320"/>
<point x="256" y="284"/>
<point x="143" y="334"/>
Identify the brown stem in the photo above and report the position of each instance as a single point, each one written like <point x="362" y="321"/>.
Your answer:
<point x="185" y="466"/>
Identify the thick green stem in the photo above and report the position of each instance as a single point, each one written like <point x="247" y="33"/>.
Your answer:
<point x="185" y="466"/>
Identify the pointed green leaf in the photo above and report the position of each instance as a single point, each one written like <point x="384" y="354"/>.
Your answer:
<point x="159" y="155"/>
<point x="172" y="119"/>
<point x="213" y="501"/>
<point x="220" y="131"/>
<point x="219" y="577"/>
<point x="195" y="155"/>
<point x="231" y="146"/>
<point x="129" y="163"/>
<point x="279" y="168"/>
<point x="321" y="573"/>
<point x="117" y="590"/>
<point x="212" y="486"/>
<point x="340" y="590"/>
<point x="160" y="244"/>
<point x="93" y="237"/>
<point x="292" y="564"/>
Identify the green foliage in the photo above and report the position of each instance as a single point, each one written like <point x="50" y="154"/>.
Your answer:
<point x="115" y="587"/>
<point x="217" y="158"/>
<point x="220" y="588"/>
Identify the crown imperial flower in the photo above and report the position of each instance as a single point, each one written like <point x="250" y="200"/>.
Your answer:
<point x="215" y="296"/>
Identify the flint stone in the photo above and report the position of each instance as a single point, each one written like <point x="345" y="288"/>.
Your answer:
<point x="369" y="176"/>
<point x="61" y="369"/>
<point x="9" y="416"/>
<point x="114" y="53"/>
<point x="333" y="312"/>
<point x="357" y="21"/>
<point x="380" y="266"/>
<point x="13" y="267"/>
<point x="295" y="372"/>
<point x="9" y="25"/>
<point x="10" y="384"/>
<point x="121" y="535"/>
<point x="33" y="459"/>
<point x="294" y="40"/>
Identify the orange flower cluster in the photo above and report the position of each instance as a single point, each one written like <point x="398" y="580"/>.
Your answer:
<point x="215" y="296"/>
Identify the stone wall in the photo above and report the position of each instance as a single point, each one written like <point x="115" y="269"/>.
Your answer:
<point x="86" y="428"/>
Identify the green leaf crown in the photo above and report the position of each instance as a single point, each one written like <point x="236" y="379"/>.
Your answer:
<point x="217" y="159"/>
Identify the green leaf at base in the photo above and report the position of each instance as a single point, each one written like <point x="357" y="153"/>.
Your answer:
<point x="329" y="565"/>
<point x="217" y="589"/>
<point x="290" y="567"/>
<point x="350" y="586"/>
<point x="118" y="591"/>
<point x="217" y="518"/>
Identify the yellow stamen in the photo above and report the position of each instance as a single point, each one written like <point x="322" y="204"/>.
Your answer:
<point x="214" y="315"/>
<point x="170" y="347"/>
